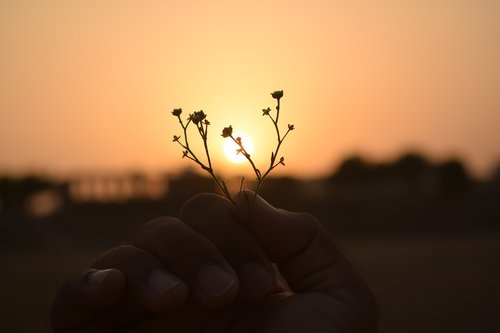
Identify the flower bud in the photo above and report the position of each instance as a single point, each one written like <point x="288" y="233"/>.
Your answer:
<point x="227" y="131"/>
<point x="277" y="94"/>
<point x="197" y="116"/>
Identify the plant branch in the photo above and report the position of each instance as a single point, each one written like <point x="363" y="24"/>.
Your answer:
<point x="201" y="123"/>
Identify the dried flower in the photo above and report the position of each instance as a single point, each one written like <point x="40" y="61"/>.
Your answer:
<point x="227" y="131"/>
<point x="199" y="119"/>
<point x="277" y="94"/>
<point x="197" y="116"/>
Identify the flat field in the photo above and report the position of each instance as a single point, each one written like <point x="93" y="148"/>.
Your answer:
<point x="424" y="283"/>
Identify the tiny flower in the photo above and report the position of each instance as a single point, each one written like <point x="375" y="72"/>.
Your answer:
<point x="177" y="112"/>
<point x="227" y="131"/>
<point x="197" y="116"/>
<point x="277" y="94"/>
<point x="201" y="124"/>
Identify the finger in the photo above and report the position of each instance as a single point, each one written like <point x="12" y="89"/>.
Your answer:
<point x="191" y="257"/>
<point x="214" y="217"/>
<point x="308" y="258"/>
<point x="304" y="251"/>
<point x="83" y="297"/>
<point x="149" y="283"/>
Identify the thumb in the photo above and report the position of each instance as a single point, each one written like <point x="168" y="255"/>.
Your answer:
<point x="310" y="261"/>
<point x="303" y="249"/>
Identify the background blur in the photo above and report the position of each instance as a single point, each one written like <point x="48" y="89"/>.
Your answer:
<point x="396" y="147"/>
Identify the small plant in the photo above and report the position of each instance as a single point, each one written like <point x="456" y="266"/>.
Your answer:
<point x="200" y="121"/>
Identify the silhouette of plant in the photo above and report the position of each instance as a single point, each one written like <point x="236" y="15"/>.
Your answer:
<point x="200" y="121"/>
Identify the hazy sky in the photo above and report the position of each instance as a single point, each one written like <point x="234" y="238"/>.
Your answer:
<point x="89" y="85"/>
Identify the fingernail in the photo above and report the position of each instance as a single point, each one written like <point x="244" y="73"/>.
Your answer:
<point x="255" y="280"/>
<point x="97" y="277"/>
<point x="214" y="280"/>
<point x="161" y="282"/>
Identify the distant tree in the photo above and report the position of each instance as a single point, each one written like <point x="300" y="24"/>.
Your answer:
<point x="496" y="175"/>
<point x="353" y="169"/>
<point x="187" y="185"/>
<point x="410" y="167"/>
<point x="453" y="177"/>
<point x="283" y="192"/>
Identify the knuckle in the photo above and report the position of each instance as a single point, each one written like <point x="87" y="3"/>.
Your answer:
<point x="308" y="218"/>
<point x="200" y="199"/>
<point x="157" y="227"/>
<point x="114" y="257"/>
<point x="162" y="234"/>
<point x="202" y="203"/>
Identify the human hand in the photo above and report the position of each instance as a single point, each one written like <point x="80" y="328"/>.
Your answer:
<point x="219" y="269"/>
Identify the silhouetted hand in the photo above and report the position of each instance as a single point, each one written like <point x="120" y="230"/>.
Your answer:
<point x="217" y="269"/>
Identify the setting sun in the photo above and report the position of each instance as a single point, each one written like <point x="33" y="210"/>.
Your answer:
<point x="231" y="148"/>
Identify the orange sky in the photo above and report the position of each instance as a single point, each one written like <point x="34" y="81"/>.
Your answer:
<point x="89" y="85"/>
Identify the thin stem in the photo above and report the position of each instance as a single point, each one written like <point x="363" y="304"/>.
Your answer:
<point x="205" y="144"/>
<point x="247" y="156"/>
<point x="222" y="187"/>
<point x="275" y="123"/>
<point x="204" y="135"/>
<point x="186" y="145"/>
<point x="274" y="155"/>
<point x="278" y="111"/>
<point x="202" y="126"/>
<point x="272" y="163"/>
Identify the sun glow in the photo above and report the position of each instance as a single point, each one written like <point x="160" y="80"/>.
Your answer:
<point x="231" y="148"/>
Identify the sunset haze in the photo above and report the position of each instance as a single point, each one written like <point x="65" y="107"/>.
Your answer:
<point x="90" y="85"/>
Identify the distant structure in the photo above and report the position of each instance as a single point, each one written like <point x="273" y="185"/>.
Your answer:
<point x="117" y="188"/>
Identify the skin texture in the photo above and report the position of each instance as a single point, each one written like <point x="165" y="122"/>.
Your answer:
<point x="220" y="269"/>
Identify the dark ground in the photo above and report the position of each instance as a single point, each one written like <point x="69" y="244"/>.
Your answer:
<point x="426" y="283"/>
<point x="427" y="243"/>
